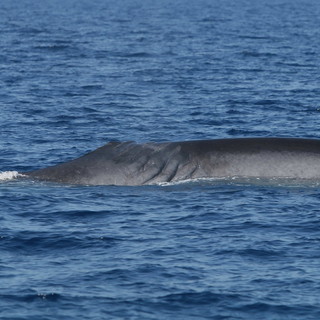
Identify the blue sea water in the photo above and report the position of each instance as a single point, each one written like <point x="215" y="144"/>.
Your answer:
<point x="77" y="74"/>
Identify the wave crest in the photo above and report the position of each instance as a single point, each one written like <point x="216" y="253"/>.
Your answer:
<point x="8" y="175"/>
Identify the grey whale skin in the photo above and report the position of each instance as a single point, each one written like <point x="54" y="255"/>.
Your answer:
<point x="130" y="163"/>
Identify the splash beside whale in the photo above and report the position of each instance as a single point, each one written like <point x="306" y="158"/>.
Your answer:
<point x="131" y="164"/>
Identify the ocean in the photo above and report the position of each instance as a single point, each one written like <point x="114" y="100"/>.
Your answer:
<point x="78" y="74"/>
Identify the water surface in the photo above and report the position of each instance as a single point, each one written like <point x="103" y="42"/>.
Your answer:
<point x="77" y="74"/>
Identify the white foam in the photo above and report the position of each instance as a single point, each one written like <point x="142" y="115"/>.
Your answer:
<point x="8" y="175"/>
<point x="193" y="181"/>
<point x="252" y="181"/>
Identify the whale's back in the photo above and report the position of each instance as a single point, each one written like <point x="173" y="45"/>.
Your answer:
<point x="129" y="163"/>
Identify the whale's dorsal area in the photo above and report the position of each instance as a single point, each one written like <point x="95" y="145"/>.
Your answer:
<point x="130" y="163"/>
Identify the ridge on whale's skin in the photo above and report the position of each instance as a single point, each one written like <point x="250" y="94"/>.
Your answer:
<point x="130" y="163"/>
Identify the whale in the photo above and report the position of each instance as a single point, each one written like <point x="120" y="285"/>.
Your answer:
<point x="133" y="164"/>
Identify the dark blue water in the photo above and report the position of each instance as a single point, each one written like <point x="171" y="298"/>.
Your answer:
<point x="77" y="74"/>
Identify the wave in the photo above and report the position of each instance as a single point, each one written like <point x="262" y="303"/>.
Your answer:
<point x="9" y="175"/>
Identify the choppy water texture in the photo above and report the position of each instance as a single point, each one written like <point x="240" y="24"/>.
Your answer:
<point x="77" y="74"/>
